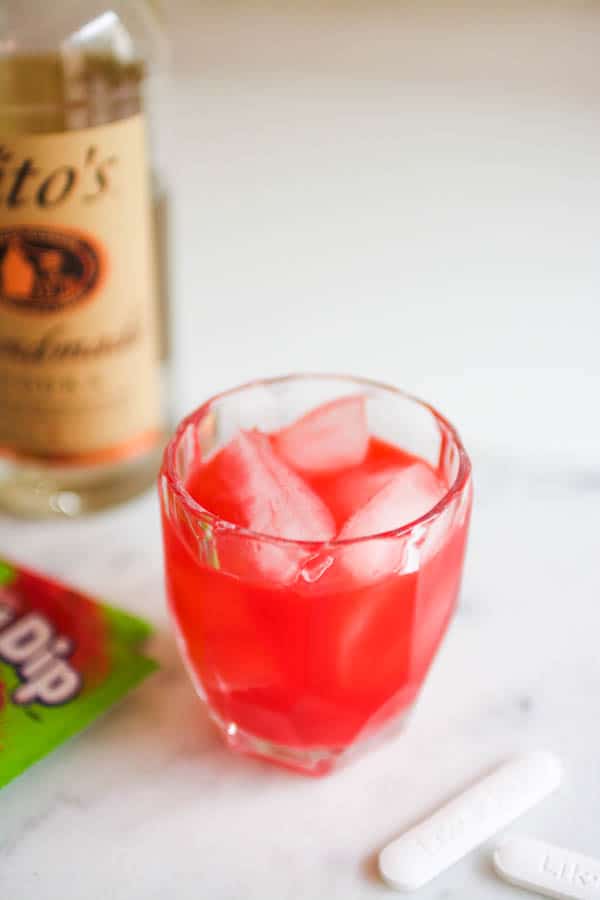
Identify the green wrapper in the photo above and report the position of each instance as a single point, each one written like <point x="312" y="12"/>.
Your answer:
<point x="64" y="660"/>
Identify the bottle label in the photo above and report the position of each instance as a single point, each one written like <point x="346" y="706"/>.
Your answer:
<point x="79" y="377"/>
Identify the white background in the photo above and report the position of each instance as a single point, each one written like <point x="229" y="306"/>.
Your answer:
<point x="402" y="190"/>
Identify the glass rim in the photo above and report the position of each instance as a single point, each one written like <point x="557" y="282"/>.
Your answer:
<point x="176" y="484"/>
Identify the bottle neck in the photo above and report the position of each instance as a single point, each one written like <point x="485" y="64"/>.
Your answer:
<point x="76" y="64"/>
<point x="65" y="90"/>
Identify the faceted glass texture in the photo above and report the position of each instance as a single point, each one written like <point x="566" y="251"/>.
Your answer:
<point x="306" y="660"/>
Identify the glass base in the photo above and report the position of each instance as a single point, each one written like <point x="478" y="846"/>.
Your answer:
<point x="31" y="490"/>
<point x="313" y="761"/>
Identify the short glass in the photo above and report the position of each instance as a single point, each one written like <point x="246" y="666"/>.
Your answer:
<point x="305" y="671"/>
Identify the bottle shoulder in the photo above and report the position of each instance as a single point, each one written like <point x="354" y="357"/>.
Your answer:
<point x="125" y="30"/>
<point x="68" y="65"/>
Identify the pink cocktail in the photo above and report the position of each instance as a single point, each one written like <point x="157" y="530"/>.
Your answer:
<point x="314" y="531"/>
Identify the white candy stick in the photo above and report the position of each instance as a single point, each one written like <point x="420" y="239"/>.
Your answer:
<point x="548" y="870"/>
<point x="469" y="819"/>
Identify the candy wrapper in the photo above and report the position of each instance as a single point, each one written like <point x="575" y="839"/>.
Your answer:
<point x="64" y="660"/>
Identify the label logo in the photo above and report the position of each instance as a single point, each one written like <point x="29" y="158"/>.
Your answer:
<point x="43" y="270"/>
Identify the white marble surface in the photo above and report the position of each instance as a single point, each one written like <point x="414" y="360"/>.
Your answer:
<point x="147" y="803"/>
<point x="359" y="175"/>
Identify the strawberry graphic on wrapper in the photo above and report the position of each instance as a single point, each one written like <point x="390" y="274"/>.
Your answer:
<point x="8" y="606"/>
<point x="71" y="614"/>
<point x="64" y="659"/>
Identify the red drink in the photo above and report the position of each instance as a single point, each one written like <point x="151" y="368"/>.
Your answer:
<point x="305" y="641"/>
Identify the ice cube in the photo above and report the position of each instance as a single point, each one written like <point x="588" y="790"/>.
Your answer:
<point x="352" y="489"/>
<point x="261" y="492"/>
<point x="332" y="436"/>
<point x="273" y="498"/>
<point x="411" y="492"/>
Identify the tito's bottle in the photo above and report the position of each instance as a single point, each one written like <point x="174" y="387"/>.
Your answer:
<point x="81" y="335"/>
